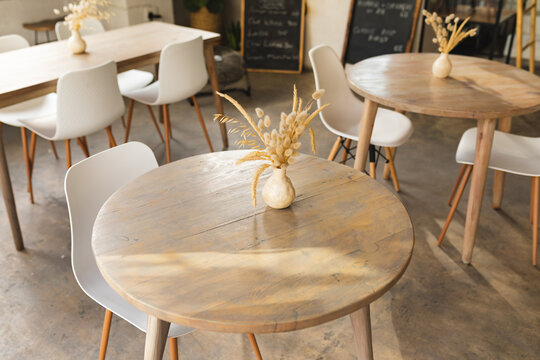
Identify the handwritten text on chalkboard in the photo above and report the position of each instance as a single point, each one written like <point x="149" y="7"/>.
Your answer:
<point x="272" y="34"/>
<point x="379" y="27"/>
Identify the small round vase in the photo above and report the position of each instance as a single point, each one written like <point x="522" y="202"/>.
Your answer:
<point x="442" y="66"/>
<point x="76" y="43"/>
<point x="278" y="192"/>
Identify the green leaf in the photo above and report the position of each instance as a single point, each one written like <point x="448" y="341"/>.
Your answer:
<point x="215" y="6"/>
<point x="195" y="5"/>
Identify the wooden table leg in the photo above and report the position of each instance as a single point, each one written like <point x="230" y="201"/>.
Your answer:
<point x="361" y="323"/>
<point x="364" y="137"/>
<point x="211" y="65"/>
<point x="505" y="124"/>
<point x="484" y="141"/>
<point x="9" y="199"/>
<point x="156" y="337"/>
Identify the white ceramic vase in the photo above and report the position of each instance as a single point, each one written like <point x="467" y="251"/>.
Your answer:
<point x="278" y="192"/>
<point x="76" y="43"/>
<point x="442" y="66"/>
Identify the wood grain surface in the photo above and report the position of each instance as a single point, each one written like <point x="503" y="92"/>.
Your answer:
<point x="476" y="88"/>
<point x="183" y="243"/>
<point x="33" y="71"/>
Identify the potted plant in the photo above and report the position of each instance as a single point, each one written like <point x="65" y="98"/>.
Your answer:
<point x="205" y="14"/>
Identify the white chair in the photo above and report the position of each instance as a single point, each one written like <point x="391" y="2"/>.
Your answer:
<point x="87" y="185"/>
<point x="41" y="106"/>
<point x="182" y="73"/>
<point x="88" y="101"/>
<point x="391" y="129"/>
<point x="128" y="80"/>
<point x="510" y="153"/>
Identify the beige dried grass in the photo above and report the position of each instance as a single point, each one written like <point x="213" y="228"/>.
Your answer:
<point x="443" y="28"/>
<point x="279" y="146"/>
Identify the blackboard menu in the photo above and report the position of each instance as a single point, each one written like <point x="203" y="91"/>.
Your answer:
<point x="272" y="34"/>
<point x="380" y="27"/>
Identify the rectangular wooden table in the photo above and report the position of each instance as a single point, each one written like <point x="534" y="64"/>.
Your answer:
<point x="32" y="72"/>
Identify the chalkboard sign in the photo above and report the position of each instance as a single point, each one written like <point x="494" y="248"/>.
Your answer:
<point x="273" y="35"/>
<point x="378" y="27"/>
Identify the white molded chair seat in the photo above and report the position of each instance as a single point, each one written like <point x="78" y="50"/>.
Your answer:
<point x="390" y="130"/>
<point x="510" y="153"/>
<point x="133" y="79"/>
<point x="88" y="101"/>
<point x="182" y="74"/>
<point x="88" y="184"/>
<point x="128" y="80"/>
<point x="147" y="95"/>
<point x="39" y="107"/>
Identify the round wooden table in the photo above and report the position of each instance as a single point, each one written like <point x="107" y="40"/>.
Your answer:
<point x="476" y="88"/>
<point x="184" y="244"/>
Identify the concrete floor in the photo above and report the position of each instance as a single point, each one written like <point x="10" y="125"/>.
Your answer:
<point x="440" y="309"/>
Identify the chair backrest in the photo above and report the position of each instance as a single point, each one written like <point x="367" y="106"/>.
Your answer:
<point x="345" y="109"/>
<point x="12" y="42"/>
<point x="89" y="26"/>
<point x="88" y="184"/>
<point x="182" y="71"/>
<point x="89" y="100"/>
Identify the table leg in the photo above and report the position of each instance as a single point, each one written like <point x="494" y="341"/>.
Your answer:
<point x="361" y="323"/>
<point x="156" y="337"/>
<point x="211" y="65"/>
<point x="505" y="124"/>
<point x="9" y="199"/>
<point x="484" y="141"/>
<point x="364" y="137"/>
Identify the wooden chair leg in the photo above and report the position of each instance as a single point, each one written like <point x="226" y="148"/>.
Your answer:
<point x="173" y="348"/>
<point x="155" y="122"/>
<point x="54" y="149"/>
<point x="112" y="141"/>
<point x="68" y="153"/>
<point x="531" y="205"/>
<point x="167" y="124"/>
<point x="455" y="203"/>
<point x="130" y="116"/>
<point x="392" y="167"/>
<point x="83" y="148"/>
<point x="201" y="120"/>
<point x="33" y="137"/>
<point x="347" y="146"/>
<point x="386" y="170"/>
<point x="255" y="346"/>
<point x="460" y="175"/>
<point x="105" y="334"/>
<point x="535" y="219"/>
<point x="372" y="163"/>
<point x="27" y="163"/>
<point x="335" y="149"/>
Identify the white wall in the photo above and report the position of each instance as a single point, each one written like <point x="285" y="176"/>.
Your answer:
<point x="13" y="13"/>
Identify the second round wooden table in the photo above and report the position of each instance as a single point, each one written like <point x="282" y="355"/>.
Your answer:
<point x="476" y="89"/>
<point x="184" y="244"/>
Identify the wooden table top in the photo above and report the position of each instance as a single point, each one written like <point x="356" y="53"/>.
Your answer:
<point x="39" y="67"/>
<point x="43" y="25"/>
<point x="184" y="243"/>
<point x="476" y="88"/>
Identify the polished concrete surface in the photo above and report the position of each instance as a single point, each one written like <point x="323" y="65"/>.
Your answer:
<point x="440" y="309"/>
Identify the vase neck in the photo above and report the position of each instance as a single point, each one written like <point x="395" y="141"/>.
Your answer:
<point x="280" y="172"/>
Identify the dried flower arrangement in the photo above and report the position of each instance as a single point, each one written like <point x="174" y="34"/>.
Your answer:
<point x="278" y="147"/>
<point x="449" y="26"/>
<point x="84" y="9"/>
